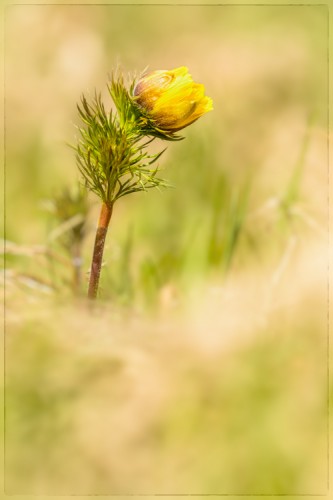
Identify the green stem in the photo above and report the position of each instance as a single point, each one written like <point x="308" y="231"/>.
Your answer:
<point x="96" y="264"/>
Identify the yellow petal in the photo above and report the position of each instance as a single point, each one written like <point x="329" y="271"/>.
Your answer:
<point x="172" y="98"/>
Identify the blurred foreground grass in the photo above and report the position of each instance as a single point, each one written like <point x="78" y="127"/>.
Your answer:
<point x="203" y="369"/>
<point x="228" y="398"/>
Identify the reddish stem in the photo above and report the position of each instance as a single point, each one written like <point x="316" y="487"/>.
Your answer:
<point x="96" y="264"/>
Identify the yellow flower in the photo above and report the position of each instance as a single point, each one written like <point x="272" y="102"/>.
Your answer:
<point x="171" y="98"/>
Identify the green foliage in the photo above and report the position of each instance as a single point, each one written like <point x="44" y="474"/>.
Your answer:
<point x="111" y="151"/>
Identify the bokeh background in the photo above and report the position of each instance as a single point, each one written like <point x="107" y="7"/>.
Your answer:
<point x="203" y="369"/>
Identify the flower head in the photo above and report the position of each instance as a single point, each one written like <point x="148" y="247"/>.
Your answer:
<point x="171" y="98"/>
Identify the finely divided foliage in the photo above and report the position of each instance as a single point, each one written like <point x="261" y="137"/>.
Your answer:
<point x="111" y="151"/>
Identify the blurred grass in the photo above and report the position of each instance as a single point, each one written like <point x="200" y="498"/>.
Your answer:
<point x="203" y="368"/>
<point x="123" y="408"/>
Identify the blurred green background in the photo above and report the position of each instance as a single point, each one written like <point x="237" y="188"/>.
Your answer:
<point x="204" y="367"/>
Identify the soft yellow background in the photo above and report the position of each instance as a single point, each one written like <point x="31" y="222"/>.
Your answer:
<point x="204" y="381"/>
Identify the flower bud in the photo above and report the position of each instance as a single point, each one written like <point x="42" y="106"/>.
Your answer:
<point x="171" y="98"/>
